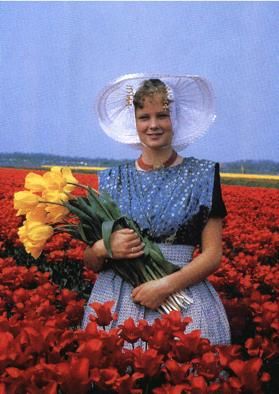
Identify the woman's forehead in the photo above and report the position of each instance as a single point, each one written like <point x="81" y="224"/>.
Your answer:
<point x="154" y="99"/>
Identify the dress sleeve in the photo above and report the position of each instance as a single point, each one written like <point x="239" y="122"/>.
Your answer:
<point x="218" y="209"/>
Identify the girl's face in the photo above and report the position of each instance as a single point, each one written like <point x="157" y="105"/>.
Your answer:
<point x="153" y="123"/>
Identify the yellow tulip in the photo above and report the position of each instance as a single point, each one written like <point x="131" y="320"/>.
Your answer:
<point x="25" y="201"/>
<point x="33" y="235"/>
<point x="37" y="214"/>
<point x="34" y="250"/>
<point x="57" y="178"/>
<point x="22" y="233"/>
<point x="54" y="196"/>
<point x="35" y="182"/>
<point x="40" y="232"/>
<point x="54" y="181"/>
<point x="56" y="213"/>
<point x="37" y="231"/>
<point x="68" y="176"/>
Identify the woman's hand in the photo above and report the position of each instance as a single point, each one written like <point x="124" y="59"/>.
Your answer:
<point x="151" y="294"/>
<point x="125" y="244"/>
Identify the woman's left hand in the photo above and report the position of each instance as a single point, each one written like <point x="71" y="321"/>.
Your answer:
<point x="151" y="294"/>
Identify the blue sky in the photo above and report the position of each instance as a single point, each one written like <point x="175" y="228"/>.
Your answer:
<point x="56" y="56"/>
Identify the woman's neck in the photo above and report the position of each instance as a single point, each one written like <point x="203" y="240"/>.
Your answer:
<point x="156" y="157"/>
<point x="171" y="161"/>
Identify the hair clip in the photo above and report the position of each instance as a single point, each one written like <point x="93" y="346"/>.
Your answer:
<point x="169" y="93"/>
<point x="166" y="105"/>
<point x="129" y="95"/>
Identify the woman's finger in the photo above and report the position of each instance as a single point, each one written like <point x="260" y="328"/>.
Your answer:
<point x="136" y="243"/>
<point x="131" y="237"/>
<point x="134" y="255"/>
<point x="135" y="291"/>
<point x="132" y="249"/>
<point x="125" y="231"/>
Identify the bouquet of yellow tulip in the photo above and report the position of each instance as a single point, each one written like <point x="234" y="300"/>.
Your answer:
<point x="49" y="207"/>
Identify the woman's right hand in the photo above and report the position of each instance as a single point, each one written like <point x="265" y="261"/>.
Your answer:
<point x="125" y="244"/>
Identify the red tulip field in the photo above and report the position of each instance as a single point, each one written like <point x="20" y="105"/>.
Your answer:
<point x="43" y="349"/>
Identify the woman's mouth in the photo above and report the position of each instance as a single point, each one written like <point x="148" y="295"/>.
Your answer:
<point x="154" y="134"/>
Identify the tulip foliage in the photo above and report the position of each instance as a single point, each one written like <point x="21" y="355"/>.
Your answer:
<point x="43" y="350"/>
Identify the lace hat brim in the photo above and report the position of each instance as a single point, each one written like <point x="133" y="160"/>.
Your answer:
<point x="192" y="112"/>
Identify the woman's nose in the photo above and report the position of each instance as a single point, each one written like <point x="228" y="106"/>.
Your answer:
<point x="153" y="123"/>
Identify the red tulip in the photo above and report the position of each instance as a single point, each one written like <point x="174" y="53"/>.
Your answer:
<point x="148" y="362"/>
<point x="129" y="331"/>
<point x="176" y="373"/>
<point x="247" y="372"/>
<point x="103" y="312"/>
<point x="105" y="378"/>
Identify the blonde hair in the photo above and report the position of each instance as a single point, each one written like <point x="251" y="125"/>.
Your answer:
<point x="148" y="88"/>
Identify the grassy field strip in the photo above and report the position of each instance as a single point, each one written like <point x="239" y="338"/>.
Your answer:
<point x="249" y="176"/>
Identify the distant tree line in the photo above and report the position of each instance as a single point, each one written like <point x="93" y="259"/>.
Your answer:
<point x="34" y="160"/>
<point x="251" y="167"/>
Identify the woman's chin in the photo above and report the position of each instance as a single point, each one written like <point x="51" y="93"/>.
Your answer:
<point x="156" y="144"/>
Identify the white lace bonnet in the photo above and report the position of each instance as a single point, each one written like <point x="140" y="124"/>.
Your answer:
<point x="191" y="109"/>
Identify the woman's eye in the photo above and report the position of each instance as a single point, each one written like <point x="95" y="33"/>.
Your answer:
<point x="143" y="117"/>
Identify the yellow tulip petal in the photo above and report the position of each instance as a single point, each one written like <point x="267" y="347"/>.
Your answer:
<point x="25" y="200"/>
<point x="67" y="174"/>
<point x="37" y="214"/>
<point x="21" y="212"/>
<point x="56" y="213"/>
<point x="54" y="181"/>
<point x="34" y="250"/>
<point x="35" y="182"/>
<point x="54" y="196"/>
<point x="38" y="232"/>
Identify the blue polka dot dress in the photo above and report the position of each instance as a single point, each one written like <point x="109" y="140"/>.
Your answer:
<point x="171" y="205"/>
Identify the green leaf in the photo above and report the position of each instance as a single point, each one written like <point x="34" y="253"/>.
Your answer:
<point x="88" y="209"/>
<point x="92" y="234"/>
<point x="77" y="211"/>
<point x="107" y="229"/>
<point x="147" y="246"/>
<point x="82" y="233"/>
<point x="99" y="208"/>
<point x="123" y="269"/>
<point x="110" y="205"/>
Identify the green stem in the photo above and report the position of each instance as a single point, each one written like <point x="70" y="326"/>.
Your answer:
<point x="159" y="270"/>
<point x="146" y="388"/>
<point x="151" y="273"/>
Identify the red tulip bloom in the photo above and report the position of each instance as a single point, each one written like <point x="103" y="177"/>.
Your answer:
<point x="176" y="321"/>
<point x="176" y="373"/>
<point x="198" y="385"/>
<point x="248" y="373"/>
<point x="187" y="346"/>
<point x="148" y="362"/>
<point x="74" y="376"/>
<point x="129" y="331"/>
<point x="105" y="378"/>
<point x="103" y="312"/>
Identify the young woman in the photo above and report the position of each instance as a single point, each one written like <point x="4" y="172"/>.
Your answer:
<point x="176" y="201"/>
